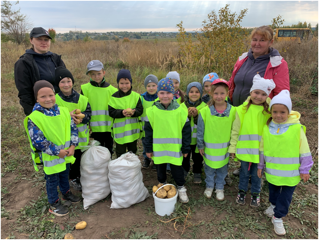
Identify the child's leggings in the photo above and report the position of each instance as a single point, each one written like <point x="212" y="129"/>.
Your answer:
<point x="197" y="159"/>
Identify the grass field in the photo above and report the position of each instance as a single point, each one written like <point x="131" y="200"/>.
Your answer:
<point x="24" y="207"/>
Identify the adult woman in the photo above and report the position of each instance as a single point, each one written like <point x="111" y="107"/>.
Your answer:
<point x="38" y="63"/>
<point x="261" y="59"/>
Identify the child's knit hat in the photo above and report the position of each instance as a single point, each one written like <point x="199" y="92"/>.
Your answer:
<point x="266" y="85"/>
<point x="194" y="84"/>
<point x="41" y="84"/>
<point x="282" y="98"/>
<point x="150" y="79"/>
<point x="210" y="77"/>
<point x="166" y="84"/>
<point x="60" y="73"/>
<point x="173" y="75"/>
<point x="124" y="73"/>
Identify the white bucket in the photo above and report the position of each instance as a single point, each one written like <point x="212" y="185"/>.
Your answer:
<point x="165" y="206"/>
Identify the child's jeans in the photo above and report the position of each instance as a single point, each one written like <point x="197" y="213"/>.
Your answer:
<point x="177" y="172"/>
<point x="244" y="177"/>
<point x="219" y="173"/>
<point x="281" y="197"/>
<point x="144" y="153"/>
<point x="58" y="179"/>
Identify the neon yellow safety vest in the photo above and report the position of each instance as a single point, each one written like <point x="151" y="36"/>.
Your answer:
<point x="99" y="101"/>
<point x="146" y="105"/>
<point x="126" y="129"/>
<point x="82" y="128"/>
<point x="167" y="134"/>
<point x="217" y="137"/>
<point x="281" y="154"/>
<point x="193" y="125"/>
<point x="179" y="100"/>
<point x="56" y="129"/>
<point x="251" y="128"/>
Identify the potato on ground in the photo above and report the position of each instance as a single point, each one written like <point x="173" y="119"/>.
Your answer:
<point x="68" y="236"/>
<point x="81" y="225"/>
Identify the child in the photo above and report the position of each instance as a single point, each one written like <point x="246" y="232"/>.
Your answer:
<point x="213" y="136"/>
<point x="168" y="136"/>
<point x="178" y="93"/>
<point x="250" y="119"/>
<point x="99" y="92"/>
<point x="69" y="98"/>
<point x="194" y="104"/>
<point x="125" y="107"/>
<point x="148" y="98"/>
<point x="284" y="148"/>
<point x="207" y="81"/>
<point x="53" y="137"/>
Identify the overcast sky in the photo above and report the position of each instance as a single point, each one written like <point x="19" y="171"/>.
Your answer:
<point x="103" y="16"/>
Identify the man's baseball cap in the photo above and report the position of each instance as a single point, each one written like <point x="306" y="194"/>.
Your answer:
<point x="94" y="65"/>
<point x="38" y="32"/>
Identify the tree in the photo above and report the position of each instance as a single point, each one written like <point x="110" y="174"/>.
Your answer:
<point x="13" y="23"/>
<point x="220" y="42"/>
<point x="52" y="34"/>
<point x="277" y="22"/>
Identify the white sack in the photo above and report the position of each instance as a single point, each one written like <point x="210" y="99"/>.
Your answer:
<point x="126" y="181"/>
<point x="94" y="174"/>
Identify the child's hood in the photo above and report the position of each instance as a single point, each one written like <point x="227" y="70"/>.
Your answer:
<point x="293" y="118"/>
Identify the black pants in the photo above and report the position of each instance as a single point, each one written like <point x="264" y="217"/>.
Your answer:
<point x="281" y="197"/>
<point x="105" y="138"/>
<point x="121" y="148"/>
<point x="177" y="172"/>
<point x="75" y="167"/>
<point x="197" y="159"/>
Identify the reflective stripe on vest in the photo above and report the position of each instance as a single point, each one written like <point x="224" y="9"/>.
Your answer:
<point x="167" y="144"/>
<point x="99" y="98"/>
<point x="252" y="122"/>
<point x="216" y="145"/>
<point x="144" y="119"/>
<point x="249" y="137"/>
<point x="126" y="129"/>
<point x="83" y="130"/>
<point x="100" y="112"/>
<point x="56" y="129"/>
<point x="282" y="156"/>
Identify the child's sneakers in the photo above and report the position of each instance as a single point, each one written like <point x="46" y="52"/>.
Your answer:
<point x="76" y="184"/>
<point x="197" y="178"/>
<point x="58" y="209"/>
<point x="241" y="197"/>
<point x="278" y="226"/>
<point x="270" y="211"/>
<point x="182" y="194"/>
<point x="220" y="194"/>
<point x="255" y="200"/>
<point x="208" y="192"/>
<point x="70" y="197"/>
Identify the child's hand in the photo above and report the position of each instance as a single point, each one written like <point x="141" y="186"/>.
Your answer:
<point x="190" y="112"/>
<point x="232" y="155"/>
<point x="185" y="154"/>
<point x="304" y="177"/>
<point x="63" y="153"/>
<point x="77" y="120"/>
<point x="259" y="173"/>
<point x="195" y="112"/>
<point x="71" y="151"/>
<point x="149" y="155"/>
<point x="201" y="151"/>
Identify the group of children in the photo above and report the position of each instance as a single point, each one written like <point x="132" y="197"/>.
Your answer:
<point x="264" y="135"/>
